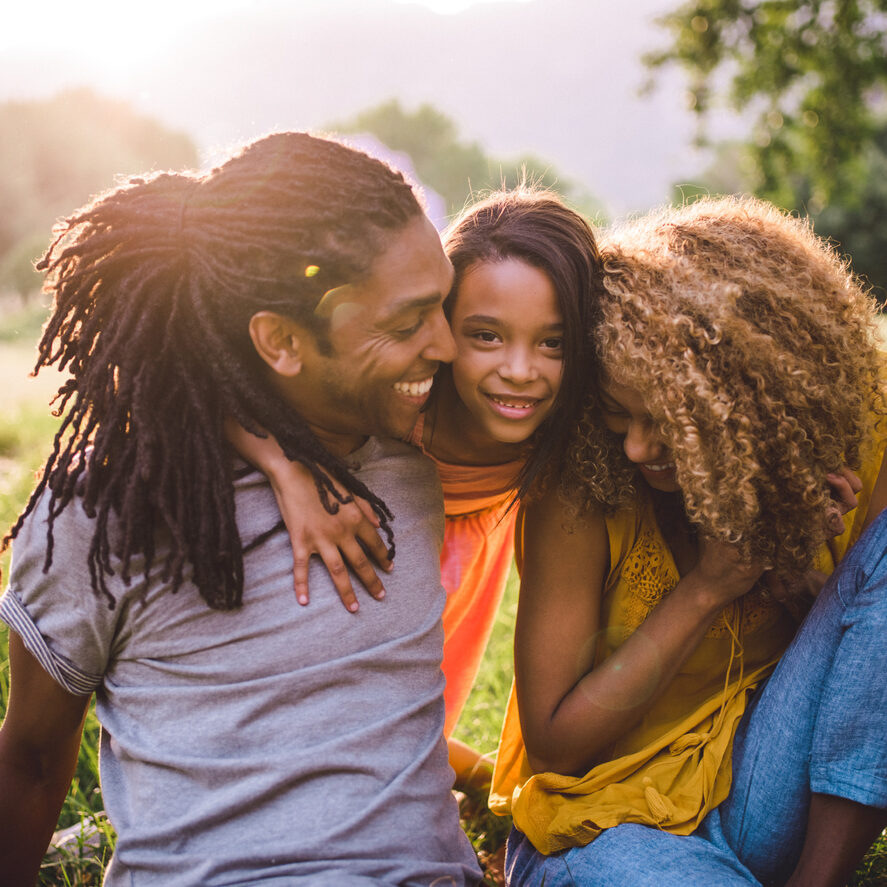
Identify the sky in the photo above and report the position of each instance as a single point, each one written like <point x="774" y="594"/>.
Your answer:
<point x="559" y="79"/>
<point x="62" y="23"/>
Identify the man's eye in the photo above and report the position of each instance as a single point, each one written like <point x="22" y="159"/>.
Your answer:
<point x="406" y="333"/>
<point x="486" y="336"/>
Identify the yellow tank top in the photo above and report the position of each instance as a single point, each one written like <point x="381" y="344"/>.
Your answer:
<point x="675" y="766"/>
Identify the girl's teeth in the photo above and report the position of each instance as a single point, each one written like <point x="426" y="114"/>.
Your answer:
<point x="668" y="466"/>
<point x="514" y="406"/>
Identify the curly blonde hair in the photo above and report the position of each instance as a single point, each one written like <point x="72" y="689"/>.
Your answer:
<point x="755" y="351"/>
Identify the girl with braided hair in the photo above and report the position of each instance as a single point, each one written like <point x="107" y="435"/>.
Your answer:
<point x="643" y="742"/>
<point x="527" y="276"/>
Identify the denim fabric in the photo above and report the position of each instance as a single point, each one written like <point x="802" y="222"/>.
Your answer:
<point x="630" y="855"/>
<point x="818" y="725"/>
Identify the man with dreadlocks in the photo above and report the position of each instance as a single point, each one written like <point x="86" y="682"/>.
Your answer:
<point x="297" y="288"/>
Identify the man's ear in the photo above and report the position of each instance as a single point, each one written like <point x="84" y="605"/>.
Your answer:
<point x="279" y="342"/>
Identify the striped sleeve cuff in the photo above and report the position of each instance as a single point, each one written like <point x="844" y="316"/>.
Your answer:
<point x="59" y="668"/>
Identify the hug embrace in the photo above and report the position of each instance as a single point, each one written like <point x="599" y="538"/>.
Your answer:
<point x="681" y="423"/>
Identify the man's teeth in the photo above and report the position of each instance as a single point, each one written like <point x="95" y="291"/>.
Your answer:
<point x="414" y="389"/>
<point x="667" y="466"/>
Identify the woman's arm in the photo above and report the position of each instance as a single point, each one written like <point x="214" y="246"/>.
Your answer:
<point x="348" y="537"/>
<point x="39" y="742"/>
<point x="571" y="713"/>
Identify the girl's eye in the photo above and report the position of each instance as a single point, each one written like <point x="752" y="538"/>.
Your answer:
<point x="553" y="344"/>
<point x="486" y="336"/>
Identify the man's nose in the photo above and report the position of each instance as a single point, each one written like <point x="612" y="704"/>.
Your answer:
<point x="441" y="344"/>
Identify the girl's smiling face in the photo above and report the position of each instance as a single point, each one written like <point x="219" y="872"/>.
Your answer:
<point x="509" y="335"/>
<point x="625" y="413"/>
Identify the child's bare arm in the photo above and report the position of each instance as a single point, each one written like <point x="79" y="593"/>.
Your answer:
<point x="348" y="538"/>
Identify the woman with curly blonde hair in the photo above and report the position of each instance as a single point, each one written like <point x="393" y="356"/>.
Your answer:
<point x="645" y="741"/>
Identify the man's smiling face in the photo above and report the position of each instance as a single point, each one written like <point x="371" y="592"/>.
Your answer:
<point x="387" y="337"/>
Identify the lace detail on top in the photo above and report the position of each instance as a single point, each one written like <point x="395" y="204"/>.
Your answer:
<point x="758" y="610"/>
<point x="649" y="573"/>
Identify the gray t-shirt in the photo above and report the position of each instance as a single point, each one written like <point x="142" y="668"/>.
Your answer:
<point x="274" y="744"/>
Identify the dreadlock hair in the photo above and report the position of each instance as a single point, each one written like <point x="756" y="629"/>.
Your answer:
<point x="154" y="285"/>
<point x="534" y="225"/>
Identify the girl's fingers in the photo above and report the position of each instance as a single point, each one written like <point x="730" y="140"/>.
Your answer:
<point x="339" y="574"/>
<point x="375" y="548"/>
<point x="300" y="574"/>
<point x="367" y="510"/>
<point x="355" y="556"/>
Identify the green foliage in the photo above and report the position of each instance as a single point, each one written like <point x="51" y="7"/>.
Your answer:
<point x="454" y="168"/>
<point x="858" y="227"/>
<point x="482" y="717"/>
<point x="55" y="154"/>
<point x="872" y="872"/>
<point x="431" y="139"/>
<point x="811" y="70"/>
<point x="21" y="321"/>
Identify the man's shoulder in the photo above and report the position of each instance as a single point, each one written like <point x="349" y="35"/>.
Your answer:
<point x="392" y="468"/>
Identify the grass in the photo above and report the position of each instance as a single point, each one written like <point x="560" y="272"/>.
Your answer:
<point x="26" y="430"/>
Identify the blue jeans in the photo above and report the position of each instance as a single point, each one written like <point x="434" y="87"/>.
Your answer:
<point x="819" y="725"/>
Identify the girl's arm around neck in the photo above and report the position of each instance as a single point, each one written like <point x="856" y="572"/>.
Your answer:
<point x="570" y="712"/>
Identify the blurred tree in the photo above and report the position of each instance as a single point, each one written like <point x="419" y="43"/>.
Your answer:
<point x="812" y="72"/>
<point x="453" y="168"/>
<point x="17" y="272"/>
<point x="55" y="154"/>
<point x="858" y="228"/>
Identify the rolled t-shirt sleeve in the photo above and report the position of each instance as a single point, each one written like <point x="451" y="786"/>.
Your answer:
<point x="62" y="622"/>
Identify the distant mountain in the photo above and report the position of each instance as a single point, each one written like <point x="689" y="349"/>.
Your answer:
<point x="556" y="78"/>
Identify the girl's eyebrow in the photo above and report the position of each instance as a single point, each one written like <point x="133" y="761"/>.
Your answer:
<point x="485" y="318"/>
<point x="482" y="318"/>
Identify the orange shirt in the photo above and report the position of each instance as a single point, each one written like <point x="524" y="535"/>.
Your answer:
<point x="475" y="561"/>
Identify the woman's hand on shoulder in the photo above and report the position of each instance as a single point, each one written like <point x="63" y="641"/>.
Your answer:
<point x="348" y="538"/>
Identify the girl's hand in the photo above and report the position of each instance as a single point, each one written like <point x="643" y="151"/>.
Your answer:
<point x="348" y="538"/>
